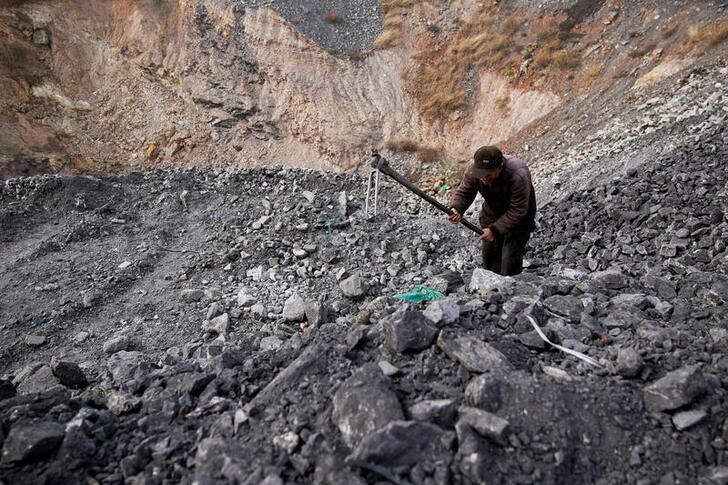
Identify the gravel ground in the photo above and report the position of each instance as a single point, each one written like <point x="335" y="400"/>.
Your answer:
<point x="241" y="327"/>
<point x="360" y="24"/>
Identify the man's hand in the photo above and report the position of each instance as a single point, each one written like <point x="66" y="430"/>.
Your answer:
<point x="487" y="236"/>
<point x="454" y="217"/>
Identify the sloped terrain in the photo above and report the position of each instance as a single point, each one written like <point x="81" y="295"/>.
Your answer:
<point x="94" y="87"/>
<point x="228" y="326"/>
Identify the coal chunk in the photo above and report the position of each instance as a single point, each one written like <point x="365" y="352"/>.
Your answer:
<point x="408" y="329"/>
<point x="675" y="390"/>
<point x="32" y="441"/>
<point x="404" y="443"/>
<point x="69" y="373"/>
<point x="365" y="403"/>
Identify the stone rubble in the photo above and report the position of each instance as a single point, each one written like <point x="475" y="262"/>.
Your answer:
<point x="292" y="368"/>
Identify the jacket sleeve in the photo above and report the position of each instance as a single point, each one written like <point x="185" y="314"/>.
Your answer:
<point x="465" y="195"/>
<point x="517" y="207"/>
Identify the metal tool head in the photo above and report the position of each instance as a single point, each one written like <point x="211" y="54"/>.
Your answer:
<point x="379" y="162"/>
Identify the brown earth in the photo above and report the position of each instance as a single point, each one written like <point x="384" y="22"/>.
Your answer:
<point x="97" y="87"/>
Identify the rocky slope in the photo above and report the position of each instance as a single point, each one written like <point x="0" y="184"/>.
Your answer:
<point x="227" y="326"/>
<point x="117" y="86"/>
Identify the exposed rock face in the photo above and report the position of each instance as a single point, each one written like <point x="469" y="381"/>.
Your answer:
<point x="236" y="83"/>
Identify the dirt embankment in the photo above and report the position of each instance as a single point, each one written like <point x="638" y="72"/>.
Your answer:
<point x="113" y="86"/>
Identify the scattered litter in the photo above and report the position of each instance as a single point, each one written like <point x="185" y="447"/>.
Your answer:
<point x="576" y="354"/>
<point x="421" y="293"/>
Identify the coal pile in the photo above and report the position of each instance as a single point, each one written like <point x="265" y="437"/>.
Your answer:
<point x="202" y="326"/>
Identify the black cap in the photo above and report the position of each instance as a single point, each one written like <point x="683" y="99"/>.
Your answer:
<point x="485" y="160"/>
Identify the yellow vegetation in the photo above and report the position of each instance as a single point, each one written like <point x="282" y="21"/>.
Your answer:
<point x="428" y="155"/>
<point x="710" y="35"/>
<point x="402" y="146"/>
<point x="388" y="38"/>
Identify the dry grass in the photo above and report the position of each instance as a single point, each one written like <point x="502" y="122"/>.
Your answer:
<point x="502" y="104"/>
<point x="568" y="59"/>
<point x="449" y="171"/>
<point x="295" y="21"/>
<point x="512" y="24"/>
<point x="428" y="155"/>
<point x="546" y="29"/>
<point x="668" y="32"/>
<point x="710" y="35"/>
<point x="438" y="82"/>
<point x="593" y="72"/>
<point x="333" y="18"/>
<point x="393" y="23"/>
<point x="388" y="5"/>
<point x="402" y="146"/>
<point x="643" y="51"/>
<point x="387" y="39"/>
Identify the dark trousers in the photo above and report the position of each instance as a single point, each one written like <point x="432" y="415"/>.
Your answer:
<point x="505" y="255"/>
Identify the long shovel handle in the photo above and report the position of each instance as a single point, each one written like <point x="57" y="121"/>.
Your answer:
<point x="381" y="164"/>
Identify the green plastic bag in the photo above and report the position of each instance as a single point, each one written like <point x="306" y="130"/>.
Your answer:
<point x="420" y="293"/>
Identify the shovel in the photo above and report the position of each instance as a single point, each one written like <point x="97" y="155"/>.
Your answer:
<point x="380" y="163"/>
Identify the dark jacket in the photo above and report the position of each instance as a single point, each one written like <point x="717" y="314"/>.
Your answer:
<point x="509" y="202"/>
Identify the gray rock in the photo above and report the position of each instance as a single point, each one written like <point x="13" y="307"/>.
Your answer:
<point x="116" y="344"/>
<point x="31" y="441"/>
<point x="316" y="313"/>
<point x="485" y="392"/>
<point x="439" y="411"/>
<point x="472" y="353"/>
<point x="610" y="279"/>
<point x="354" y="337"/>
<point x="675" y="390"/>
<point x="270" y="343"/>
<point x="629" y="363"/>
<point x="26" y="372"/>
<point x="569" y="307"/>
<point x="215" y="453"/>
<point x="715" y="475"/>
<point x="81" y="337"/>
<point x="215" y="309"/>
<point x="7" y="389"/>
<point x="408" y="329"/>
<point x="245" y="299"/>
<point x="387" y="368"/>
<point x="69" y="373"/>
<point x="191" y="383"/>
<point x="219" y="325"/>
<point x="121" y="403"/>
<point x="191" y="296"/>
<point x="442" y="312"/>
<point x="630" y="301"/>
<point x="294" y="309"/>
<point x="121" y="365"/>
<point x="309" y="362"/>
<point x="35" y="340"/>
<point x="665" y="288"/>
<point x="365" y="403"/>
<point x="353" y="287"/>
<point x="404" y="443"/>
<point x="258" y="310"/>
<point x="40" y="380"/>
<point x="486" y="424"/>
<point x="288" y="441"/>
<point x="687" y="419"/>
<point x="486" y="281"/>
<point x="342" y="204"/>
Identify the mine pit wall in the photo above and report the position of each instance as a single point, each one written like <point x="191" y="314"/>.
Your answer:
<point x="197" y="83"/>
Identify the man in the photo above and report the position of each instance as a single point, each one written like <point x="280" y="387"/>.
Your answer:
<point x="509" y="207"/>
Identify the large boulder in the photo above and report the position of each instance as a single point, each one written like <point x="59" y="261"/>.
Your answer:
<point x="408" y="329"/>
<point x="675" y="390"/>
<point x="365" y="403"/>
